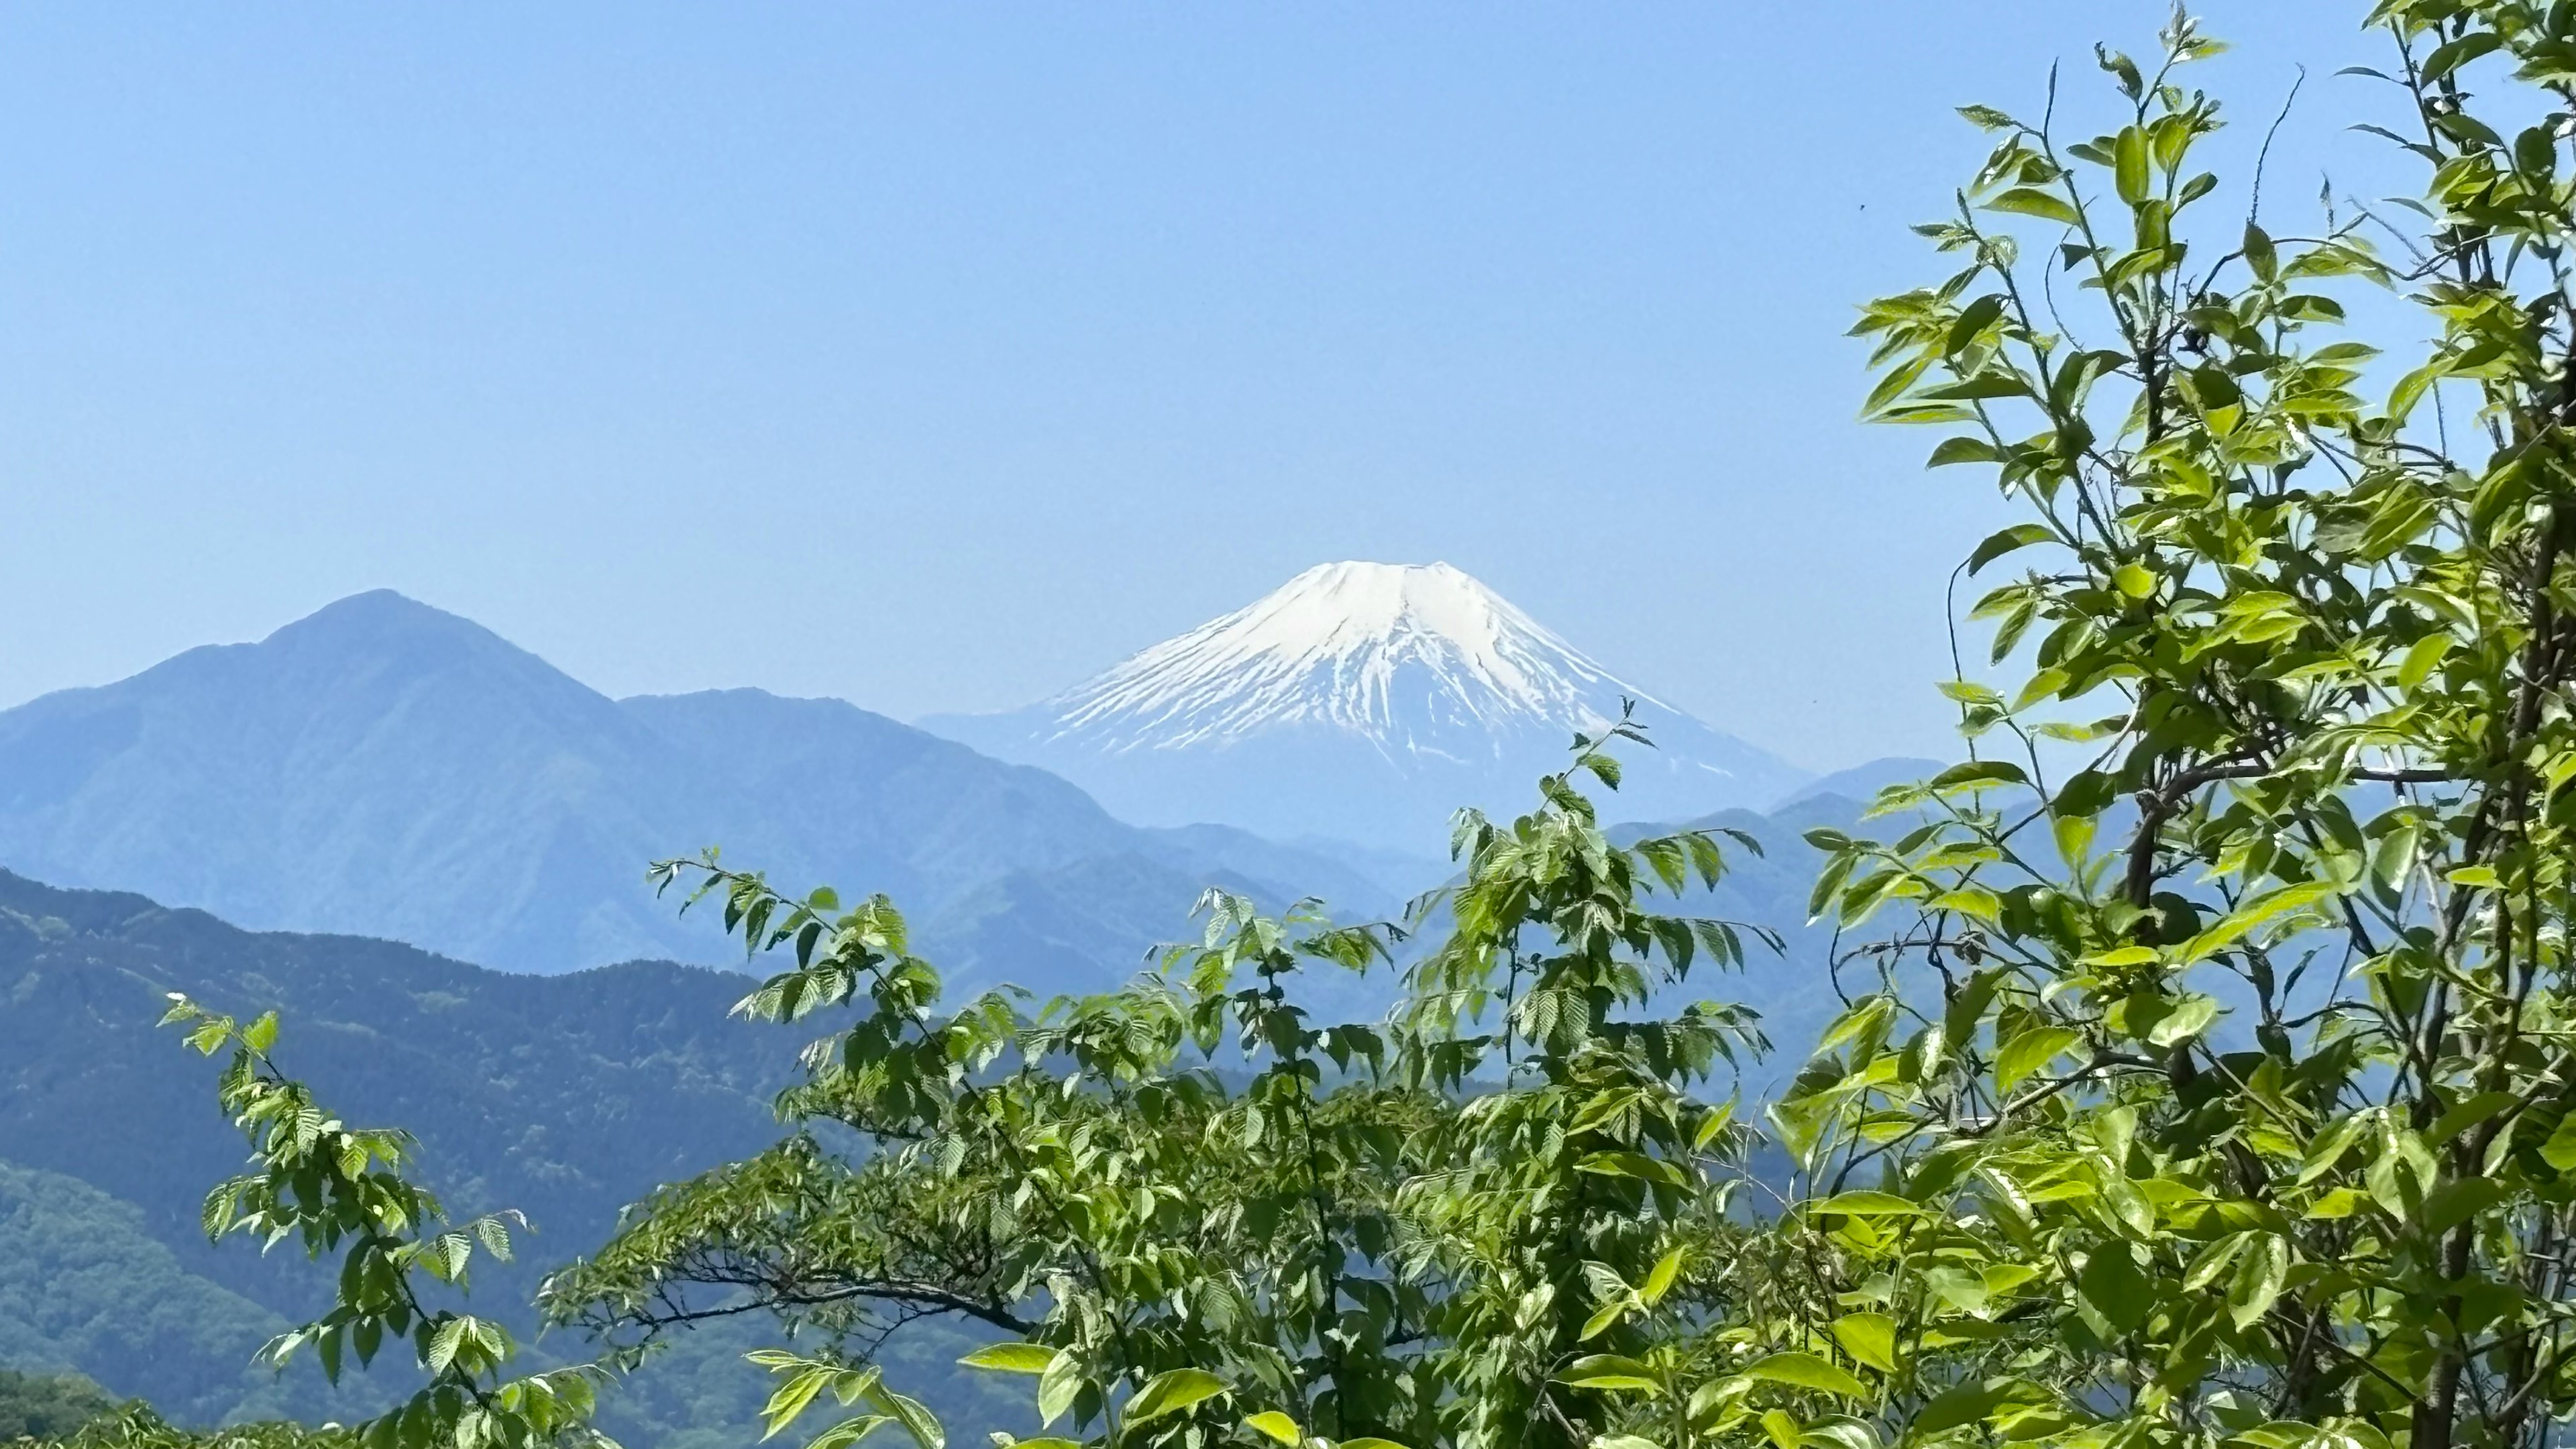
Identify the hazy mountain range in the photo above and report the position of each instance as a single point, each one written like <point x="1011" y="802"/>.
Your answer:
<point x="387" y="769"/>
<point x="1367" y="702"/>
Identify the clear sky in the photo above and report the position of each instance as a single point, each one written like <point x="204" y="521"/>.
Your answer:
<point x="935" y="356"/>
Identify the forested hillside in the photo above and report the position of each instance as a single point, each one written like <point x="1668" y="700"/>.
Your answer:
<point x="565" y="1097"/>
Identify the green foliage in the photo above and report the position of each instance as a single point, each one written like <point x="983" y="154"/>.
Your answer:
<point x="2210" y="1079"/>
<point x="43" y="1406"/>
<point x="332" y="1189"/>
<point x="1203" y="1215"/>
<point x="133" y="1426"/>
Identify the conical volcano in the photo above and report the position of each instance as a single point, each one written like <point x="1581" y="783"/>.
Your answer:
<point x="1363" y="701"/>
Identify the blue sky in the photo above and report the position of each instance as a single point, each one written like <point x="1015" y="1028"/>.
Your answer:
<point x="936" y="356"/>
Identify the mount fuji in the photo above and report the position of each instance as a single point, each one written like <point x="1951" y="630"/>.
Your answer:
<point x="1364" y="702"/>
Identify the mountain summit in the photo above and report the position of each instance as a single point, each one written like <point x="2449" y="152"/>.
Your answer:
<point x="1363" y="701"/>
<point x="385" y="768"/>
<point x="1415" y="657"/>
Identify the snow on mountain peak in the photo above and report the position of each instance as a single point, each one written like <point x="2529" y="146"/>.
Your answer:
<point x="1415" y="656"/>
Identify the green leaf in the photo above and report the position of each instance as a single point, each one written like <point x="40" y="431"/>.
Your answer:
<point x="1014" y="1358"/>
<point x="792" y="1397"/>
<point x="1978" y="775"/>
<point x="2253" y="913"/>
<point x="2329" y="1146"/>
<point x="2031" y="201"/>
<point x="2260" y="253"/>
<point x="2134" y="581"/>
<point x="1606" y="1317"/>
<point x="1972" y="320"/>
<point x="2188" y="1016"/>
<point x="2020" y="535"/>
<point x="1172" y="1392"/>
<point x="2213" y="1260"/>
<point x="1807" y="1371"/>
<point x="1609" y="1373"/>
<point x="1659" y="1280"/>
<point x="2451" y="55"/>
<point x="2421" y="658"/>
<point x="916" y="1418"/>
<point x="1965" y="1404"/>
<point x="1961" y="449"/>
<point x="2129" y="164"/>
<point x="1870" y="1338"/>
<point x="2030" y="1050"/>
<point x="2560" y="1150"/>
<point x="1277" y="1426"/>
<point x="855" y="1428"/>
<point x="2257" y="1282"/>
<point x="2112" y="1283"/>
<point x="1058" y="1388"/>
<point x="1635" y="1164"/>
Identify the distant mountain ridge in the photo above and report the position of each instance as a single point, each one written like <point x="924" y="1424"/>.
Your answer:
<point x="385" y="768"/>
<point x="1364" y="701"/>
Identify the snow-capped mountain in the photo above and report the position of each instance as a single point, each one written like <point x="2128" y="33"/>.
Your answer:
<point x="1365" y="702"/>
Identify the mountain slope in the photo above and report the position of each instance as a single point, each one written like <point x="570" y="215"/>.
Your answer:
<point x="85" y="1289"/>
<point x="385" y="768"/>
<point x="1364" y="701"/>
<point x="564" y="1096"/>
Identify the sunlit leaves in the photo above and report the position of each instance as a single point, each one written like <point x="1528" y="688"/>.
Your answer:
<point x="2249" y="1037"/>
<point x="331" y="1188"/>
